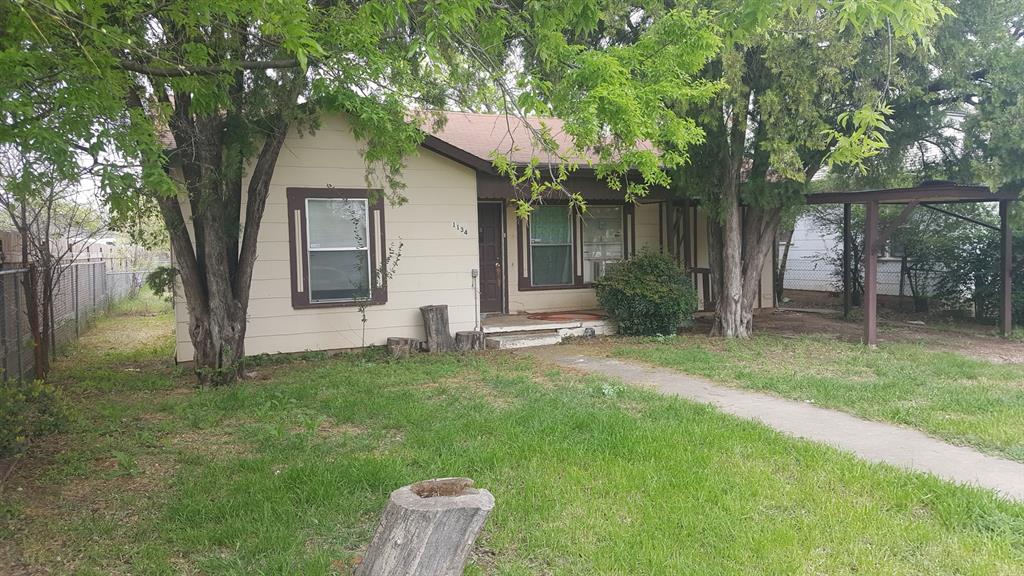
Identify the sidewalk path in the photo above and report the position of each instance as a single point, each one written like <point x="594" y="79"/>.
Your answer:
<point x="873" y="441"/>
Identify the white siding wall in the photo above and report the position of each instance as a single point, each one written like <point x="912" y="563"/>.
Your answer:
<point x="435" y="263"/>
<point x="806" y="268"/>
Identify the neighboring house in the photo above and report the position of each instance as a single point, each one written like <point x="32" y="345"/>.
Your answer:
<point x="811" y="274"/>
<point x="118" y="253"/>
<point x="461" y="242"/>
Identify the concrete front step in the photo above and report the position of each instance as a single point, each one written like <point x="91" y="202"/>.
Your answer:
<point x="512" y="340"/>
<point x="568" y="327"/>
<point x="540" y="325"/>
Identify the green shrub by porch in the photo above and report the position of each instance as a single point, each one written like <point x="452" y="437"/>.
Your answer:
<point x="647" y="295"/>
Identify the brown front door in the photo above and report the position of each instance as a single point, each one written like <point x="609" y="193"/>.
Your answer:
<point x="492" y="288"/>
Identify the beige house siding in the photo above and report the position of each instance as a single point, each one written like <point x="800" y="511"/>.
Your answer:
<point x="648" y="226"/>
<point x="434" y="268"/>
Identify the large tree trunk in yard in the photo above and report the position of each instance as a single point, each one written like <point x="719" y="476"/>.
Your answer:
<point x="742" y="259"/>
<point x="218" y="342"/>
<point x="727" y="242"/>
<point x="729" y="318"/>
<point x="740" y="240"/>
<point x="215" y="261"/>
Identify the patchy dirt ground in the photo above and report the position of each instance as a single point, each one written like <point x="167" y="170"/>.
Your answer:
<point x="967" y="338"/>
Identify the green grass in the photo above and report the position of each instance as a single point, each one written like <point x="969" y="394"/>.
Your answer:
<point x="963" y="400"/>
<point x="287" y="473"/>
<point x="144" y="303"/>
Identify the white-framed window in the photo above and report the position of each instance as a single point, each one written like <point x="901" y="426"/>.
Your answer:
<point x="603" y="242"/>
<point x="338" y="250"/>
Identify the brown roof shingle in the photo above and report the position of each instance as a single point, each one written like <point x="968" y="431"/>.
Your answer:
<point x="483" y="134"/>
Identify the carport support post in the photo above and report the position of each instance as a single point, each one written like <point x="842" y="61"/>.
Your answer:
<point x="847" y="280"/>
<point x="870" y="302"/>
<point x="1006" y="270"/>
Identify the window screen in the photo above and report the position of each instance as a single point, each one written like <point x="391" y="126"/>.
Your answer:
<point x="551" y="246"/>
<point x="339" y="256"/>
<point x="602" y="240"/>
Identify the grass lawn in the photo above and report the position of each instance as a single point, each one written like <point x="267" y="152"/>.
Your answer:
<point x="287" y="473"/>
<point x="963" y="400"/>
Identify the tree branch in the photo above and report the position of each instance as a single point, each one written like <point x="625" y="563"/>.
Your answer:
<point x="256" y="201"/>
<point x="182" y="70"/>
<point x="181" y="244"/>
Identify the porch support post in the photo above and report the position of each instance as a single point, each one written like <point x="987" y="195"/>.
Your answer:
<point x="670" y="237"/>
<point x="686" y="246"/>
<point x="870" y="301"/>
<point x="1006" y="270"/>
<point x="847" y="279"/>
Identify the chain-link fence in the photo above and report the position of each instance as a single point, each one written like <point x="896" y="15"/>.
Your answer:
<point x="83" y="290"/>
<point x="813" y="275"/>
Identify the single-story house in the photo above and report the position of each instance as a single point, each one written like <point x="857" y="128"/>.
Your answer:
<point x="323" y="237"/>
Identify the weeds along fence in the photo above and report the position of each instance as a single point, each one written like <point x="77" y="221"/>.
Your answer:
<point x="85" y="289"/>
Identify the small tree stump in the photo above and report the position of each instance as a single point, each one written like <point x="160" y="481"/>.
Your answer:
<point x="469" y="340"/>
<point x="401" y="348"/>
<point x="435" y="323"/>
<point x="427" y="529"/>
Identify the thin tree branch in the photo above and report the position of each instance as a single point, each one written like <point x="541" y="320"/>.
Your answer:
<point x="182" y="70"/>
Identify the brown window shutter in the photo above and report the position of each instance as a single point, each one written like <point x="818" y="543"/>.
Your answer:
<point x="378" y="252"/>
<point x="523" y="240"/>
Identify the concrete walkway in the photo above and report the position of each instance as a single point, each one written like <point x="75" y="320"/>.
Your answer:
<point x="873" y="441"/>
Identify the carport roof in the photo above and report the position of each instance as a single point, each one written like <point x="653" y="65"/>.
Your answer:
<point x="938" y="192"/>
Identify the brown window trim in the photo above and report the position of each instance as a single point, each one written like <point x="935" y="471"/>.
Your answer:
<point x="298" y="243"/>
<point x="524" y="254"/>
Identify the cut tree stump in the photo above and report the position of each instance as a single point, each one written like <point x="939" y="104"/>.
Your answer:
<point x="402" y="347"/>
<point x="427" y="529"/>
<point x="435" y="323"/>
<point x="469" y="340"/>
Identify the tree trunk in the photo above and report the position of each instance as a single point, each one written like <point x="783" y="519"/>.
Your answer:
<point x="742" y="250"/>
<point x="435" y="324"/>
<point x="468" y="340"/>
<point x="740" y="240"/>
<point x="214" y="269"/>
<point x="427" y="529"/>
<point x="402" y="348"/>
<point x="727" y="245"/>
<point x="218" y="341"/>
<point x="762" y="225"/>
<point x="780" y="274"/>
<point x="36" y="313"/>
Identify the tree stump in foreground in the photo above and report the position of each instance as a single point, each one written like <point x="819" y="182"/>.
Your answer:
<point x="435" y="323"/>
<point x="427" y="529"/>
<point x="469" y="340"/>
<point x="401" y="348"/>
